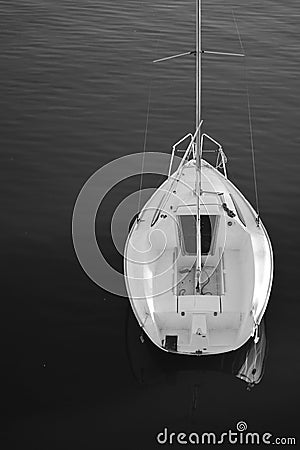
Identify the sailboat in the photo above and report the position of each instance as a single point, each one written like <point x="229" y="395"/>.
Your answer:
<point x="198" y="262"/>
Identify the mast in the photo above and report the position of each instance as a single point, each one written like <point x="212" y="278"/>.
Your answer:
<point x="198" y="77"/>
<point x="198" y="144"/>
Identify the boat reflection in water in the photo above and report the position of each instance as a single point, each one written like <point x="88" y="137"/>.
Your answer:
<point x="150" y="366"/>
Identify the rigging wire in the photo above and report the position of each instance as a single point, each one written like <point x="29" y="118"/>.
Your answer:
<point x="144" y="147"/>
<point x="145" y="140"/>
<point x="250" y="122"/>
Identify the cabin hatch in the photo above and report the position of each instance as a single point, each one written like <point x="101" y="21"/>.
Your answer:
<point x="188" y="228"/>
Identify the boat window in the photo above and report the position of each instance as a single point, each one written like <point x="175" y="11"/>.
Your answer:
<point x="189" y="233"/>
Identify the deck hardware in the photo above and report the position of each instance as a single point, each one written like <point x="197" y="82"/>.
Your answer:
<point x="230" y="213"/>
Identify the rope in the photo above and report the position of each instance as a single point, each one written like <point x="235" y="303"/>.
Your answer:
<point x="250" y="122"/>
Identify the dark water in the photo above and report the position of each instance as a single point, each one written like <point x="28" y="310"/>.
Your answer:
<point x="74" y="84"/>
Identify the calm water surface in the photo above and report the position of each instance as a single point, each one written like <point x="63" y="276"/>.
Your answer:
<point x="74" y="85"/>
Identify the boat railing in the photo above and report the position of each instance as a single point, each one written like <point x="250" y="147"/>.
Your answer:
<point x="187" y="152"/>
<point x="176" y="176"/>
<point x="174" y="149"/>
<point x="191" y="149"/>
<point x="221" y="157"/>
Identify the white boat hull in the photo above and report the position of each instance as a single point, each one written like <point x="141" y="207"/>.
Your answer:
<point x="237" y="266"/>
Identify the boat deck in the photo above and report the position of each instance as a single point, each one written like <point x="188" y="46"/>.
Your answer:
<point x="174" y="314"/>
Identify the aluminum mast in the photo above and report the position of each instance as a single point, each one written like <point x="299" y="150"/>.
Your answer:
<point x="198" y="144"/>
